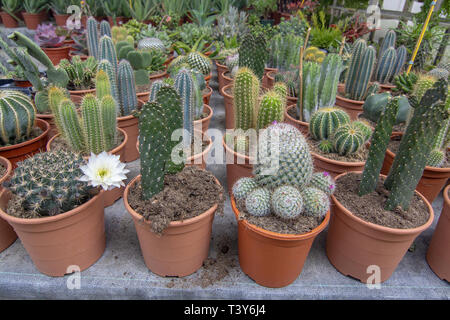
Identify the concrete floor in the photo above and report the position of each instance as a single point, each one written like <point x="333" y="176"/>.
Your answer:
<point x="122" y="274"/>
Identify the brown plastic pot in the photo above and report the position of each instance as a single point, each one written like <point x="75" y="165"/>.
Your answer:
<point x="183" y="246"/>
<point x="21" y="151"/>
<point x="334" y="167"/>
<point x="354" y="244"/>
<point x="229" y="102"/>
<point x="61" y="19"/>
<point x="129" y="124"/>
<point x="269" y="79"/>
<point x="158" y="76"/>
<point x="272" y="259"/>
<point x="432" y="181"/>
<point x="23" y="83"/>
<point x="77" y="95"/>
<point x="300" y="125"/>
<point x="207" y="96"/>
<point x="82" y="57"/>
<point x="32" y="20"/>
<point x="74" y="238"/>
<point x="51" y="121"/>
<point x="8" y="20"/>
<point x="266" y="83"/>
<point x="238" y="165"/>
<point x="438" y="254"/>
<point x="221" y="68"/>
<point x="226" y="78"/>
<point x="7" y="234"/>
<point x="207" y="78"/>
<point x="203" y="124"/>
<point x="386" y="87"/>
<point x="57" y="54"/>
<point x="115" y="194"/>
<point x="352" y="107"/>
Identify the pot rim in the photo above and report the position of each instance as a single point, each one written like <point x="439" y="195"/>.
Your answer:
<point x="218" y="64"/>
<point x="377" y="227"/>
<point x="337" y="162"/>
<point x="161" y="74"/>
<point x="8" y="170"/>
<point x="224" y="93"/>
<point x="210" y="114"/>
<point x="387" y="85"/>
<point x="210" y="91"/>
<point x="43" y="123"/>
<point x="227" y="78"/>
<point x="355" y="102"/>
<point x="80" y="92"/>
<point x="286" y="115"/>
<point x="208" y="77"/>
<point x="280" y="236"/>
<point x="38" y="221"/>
<point x="445" y="193"/>
<point x="62" y="48"/>
<point x="172" y="224"/>
<point x="129" y="117"/>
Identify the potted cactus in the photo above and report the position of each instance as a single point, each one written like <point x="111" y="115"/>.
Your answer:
<point x="10" y="13"/>
<point x="7" y="234"/>
<point x="357" y="85"/>
<point x="52" y="44"/>
<point x="376" y="218"/>
<point x="35" y="13"/>
<point x="59" y="8"/>
<point x="284" y="206"/>
<point x="175" y="237"/>
<point x="23" y="134"/>
<point x="56" y="211"/>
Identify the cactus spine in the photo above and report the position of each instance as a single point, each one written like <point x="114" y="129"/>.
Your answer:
<point x="258" y="202"/>
<point x="106" y="66"/>
<point x="245" y="90"/>
<point x="287" y="202"/>
<point x="70" y="125"/>
<point x="329" y="80"/>
<point x="325" y="121"/>
<point x="105" y="29"/>
<point x="315" y="202"/>
<point x="107" y="51"/>
<point x="92" y="37"/>
<point x="311" y="80"/>
<point x="127" y="88"/>
<point x="386" y="65"/>
<point x="388" y="42"/>
<point x="243" y="187"/>
<point x="185" y="86"/>
<point x="270" y="109"/>
<point x="92" y="126"/>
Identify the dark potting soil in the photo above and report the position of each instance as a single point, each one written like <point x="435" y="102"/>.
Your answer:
<point x="186" y="195"/>
<point x="302" y="224"/>
<point x="370" y="207"/>
<point x="359" y="156"/>
<point x="35" y="132"/>
<point x="396" y="128"/>
<point x="394" y="146"/>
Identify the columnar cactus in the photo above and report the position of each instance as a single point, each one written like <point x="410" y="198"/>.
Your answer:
<point x="315" y="202"/>
<point x="106" y="66"/>
<point x="253" y="53"/>
<point x="92" y="37"/>
<point x="271" y="108"/>
<point x="107" y="51"/>
<point x="287" y="202"/>
<point x="311" y="80"/>
<point x="185" y="86"/>
<point x="348" y="139"/>
<point x="386" y="65"/>
<point x="154" y="89"/>
<point x="70" y="126"/>
<point x="17" y="117"/>
<point x="245" y="90"/>
<point x="388" y="42"/>
<point x="436" y="158"/>
<point x="399" y="62"/>
<point x="258" y="202"/>
<point x="325" y="121"/>
<point x="243" y="187"/>
<point x="105" y="29"/>
<point x="329" y="79"/>
<point x="48" y="184"/>
<point x="127" y="88"/>
<point x="282" y="89"/>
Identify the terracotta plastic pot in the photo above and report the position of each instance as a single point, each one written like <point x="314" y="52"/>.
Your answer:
<point x="130" y="125"/>
<point x="203" y="124"/>
<point x="238" y="165"/>
<point x="50" y="120"/>
<point x="207" y="96"/>
<point x="386" y="87"/>
<point x="352" y="107"/>
<point x="302" y="126"/>
<point x="207" y="78"/>
<point x="438" y="254"/>
<point x="144" y="96"/>
<point x="23" y="83"/>
<point x="291" y="100"/>
<point x="7" y="234"/>
<point x="183" y="246"/>
<point x="21" y="151"/>
<point x="55" y="244"/>
<point x="229" y="102"/>
<point x="335" y="167"/>
<point x="32" y="20"/>
<point x="226" y="78"/>
<point x="57" y="54"/>
<point x="265" y="80"/>
<point x="115" y="194"/>
<point x="269" y="79"/>
<point x="82" y="57"/>
<point x="354" y="244"/>
<point x="61" y="19"/>
<point x="158" y="76"/>
<point x="220" y="70"/>
<point x="8" y="20"/>
<point x="432" y="181"/>
<point x="77" y="95"/>
<point x="272" y="259"/>
<point x="119" y="21"/>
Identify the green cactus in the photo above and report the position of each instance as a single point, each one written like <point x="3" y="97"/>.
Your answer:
<point x="330" y="72"/>
<point x="364" y="127"/>
<point x="127" y="88"/>
<point x="185" y="86"/>
<point x="92" y="124"/>
<point x="105" y="29"/>
<point x="245" y="91"/>
<point x="325" y="121"/>
<point x="405" y="82"/>
<point x="315" y="202"/>
<point x="311" y="81"/>
<point x="108" y="114"/>
<point x="243" y="187"/>
<point x="314" y="54"/>
<point x="253" y="53"/>
<point x="326" y="146"/>
<point x="17" y="117"/>
<point x="154" y="89"/>
<point x="436" y="158"/>
<point x="423" y="83"/>
<point x="54" y="98"/>
<point x="282" y="90"/>
<point x="388" y="42"/>
<point x="122" y="49"/>
<point x="102" y="84"/>
<point x="106" y="66"/>
<point x="199" y="61"/>
<point x="399" y="62"/>
<point x="287" y="202"/>
<point x="271" y="108"/>
<point x="151" y="44"/>
<point x="107" y="51"/>
<point x="375" y="105"/>
<point x="348" y="139"/>
<point x="416" y="145"/>
<point x="81" y="73"/>
<point x="92" y="37"/>
<point x="386" y="65"/>
<point x="257" y="202"/>
<point x="70" y="125"/>
<point x="48" y="184"/>
<point x="324" y="182"/>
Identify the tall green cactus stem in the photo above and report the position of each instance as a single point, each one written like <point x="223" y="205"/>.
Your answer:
<point x="127" y="88"/>
<point x="92" y="125"/>
<point x="102" y="85"/>
<point x="359" y="47"/>
<point x="388" y="42"/>
<point x="17" y="115"/>
<point x="105" y="29"/>
<point x="92" y="37"/>
<point x="348" y="139"/>
<point x="185" y="86"/>
<point x="399" y="62"/>
<point x="329" y="79"/>
<point x="424" y="83"/>
<point x="108" y="113"/>
<point x="154" y="89"/>
<point x="429" y="117"/>
<point x="378" y="147"/>
<point x="55" y="97"/>
<point x="386" y="65"/>
<point x="246" y="91"/>
<point x="311" y="80"/>
<point x="271" y="109"/>
<point x="106" y="66"/>
<point x="282" y="90"/>
<point x="107" y="51"/>
<point x="70" y="125"/>
<point x="325" y="122"/>
<point x="253" y="53"/>
<point x="153" y="137"/>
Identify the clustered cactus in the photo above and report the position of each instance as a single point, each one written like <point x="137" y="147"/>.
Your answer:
<point x="253" y="53"/>
<point x="81" y="73"/>
<point x="284" y="51"/>
<point x="193" y="60"/>
<point x="284" y="183"/>
<point x="314" y="54"/>
<point x="390" y="61"/>
<point x="48" y="184"/>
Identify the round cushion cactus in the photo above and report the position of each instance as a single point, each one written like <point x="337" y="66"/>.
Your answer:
<point x="326" y="146"/>
<point x="283" y="157"/>
<point x="287" y="202"/>
<point x="324" y="182"/>
<point x="315" y="202"/>
<point x="258" y="202"/>
<point x="199" y="61"/>
<point x="243" y="187"/>
<point x="325" y="121"/>
<point x="348" y="139"/>
<point x="151" y="43"/>
<point x="365" y="128"/>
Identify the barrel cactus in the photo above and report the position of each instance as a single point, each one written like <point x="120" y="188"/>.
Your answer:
<point x="287" y="202"/>
<point x="199" y="61"/>
<point x="325" y="121"/>
<point x="348" y="139"/>
<point x="326" y="146"/>
<point x="257" y="202"/>
<point x="17" y="117"/>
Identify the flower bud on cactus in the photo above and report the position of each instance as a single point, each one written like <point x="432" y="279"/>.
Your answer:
<point x="287" y="202"/>
<point x="325" y="121"/>
<point x="258" y="202"/>
<point x="315" y="202"/>
<point x="324" y="182"/>
<point x="243" y="187"/>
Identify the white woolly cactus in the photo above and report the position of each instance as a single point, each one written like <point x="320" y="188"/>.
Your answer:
<point x="243" y="187"/>
<point x="324" y="182"/>
<point x="258" y="202"/>
<point x="315" y="202"/>
<point x="287" y="202"/>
